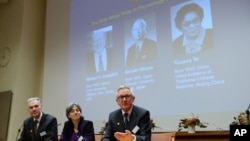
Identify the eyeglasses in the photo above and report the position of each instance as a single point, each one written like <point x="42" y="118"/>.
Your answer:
<point x="124" y="96"/>
<point x="195" y="21"/>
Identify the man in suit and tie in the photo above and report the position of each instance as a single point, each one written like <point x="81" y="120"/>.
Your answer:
<point x="100" y="57"/>
<point x="129" y="122"/>
<point x="39" y="126"/>
<point x="143" y="50"/>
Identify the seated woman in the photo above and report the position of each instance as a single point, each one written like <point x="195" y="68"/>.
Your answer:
<point x="77" y="128"/>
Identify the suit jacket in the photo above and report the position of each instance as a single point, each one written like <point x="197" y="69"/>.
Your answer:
<point x="47" y="129"/>
<point x="139" y="118"/>
<point x="179" y="49"/>
<point x="91" y="61"/>
<point x="85" y="127"/>
<point x="147" y="53"/>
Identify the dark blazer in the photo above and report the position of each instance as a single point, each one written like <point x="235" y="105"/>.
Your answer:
<point x="179" y="49"/>
<point x="85" y="127"/>
<point x="139" y="117"/>
<point x="91" y="61"/>
<point x="148" y="53"/>
<point x="47" y="130"/>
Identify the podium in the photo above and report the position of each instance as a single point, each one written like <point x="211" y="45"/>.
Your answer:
<point x="203" y="136"/>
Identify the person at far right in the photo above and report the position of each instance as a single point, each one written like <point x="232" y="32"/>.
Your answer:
<point x="129" y="122"/>
<point x="194" y="38"/>
<point x="77" y="128"/>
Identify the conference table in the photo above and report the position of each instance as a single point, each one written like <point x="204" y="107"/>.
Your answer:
<point x="184" y="136"/>
<point x="203" y="136"/>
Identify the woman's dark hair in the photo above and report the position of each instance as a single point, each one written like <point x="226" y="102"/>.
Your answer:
<point x="192" y="7"/>
<point x="70" y="106"/>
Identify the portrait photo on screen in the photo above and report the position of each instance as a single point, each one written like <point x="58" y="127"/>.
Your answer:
<point x="99" y="55"/>
<point x="191" y="27"/>
<point x="142" y="48"/>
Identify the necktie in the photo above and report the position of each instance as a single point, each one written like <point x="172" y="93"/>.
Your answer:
<point x="35" y="126"/>
<point x="100" y="63"/>
<point x="126" y="120"/>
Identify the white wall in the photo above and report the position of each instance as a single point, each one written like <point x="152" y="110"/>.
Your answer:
<point x="22" y="29"/>
<point x="56" y="59"/>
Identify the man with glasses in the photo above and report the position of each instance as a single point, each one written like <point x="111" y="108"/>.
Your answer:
<point x="195" y="37"/>
<point x="129" y="122"/>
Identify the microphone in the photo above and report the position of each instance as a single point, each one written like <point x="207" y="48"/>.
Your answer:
<point x="61" y="123"/>
<point x="56" y="125"/>
<point x="49" y="134"/>
<point x="104" y="130"/>
<point x="18" y="132"/>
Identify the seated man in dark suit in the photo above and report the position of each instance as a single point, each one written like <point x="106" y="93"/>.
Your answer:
<point x="39" y="126"/>
<point x="129" y="122"/>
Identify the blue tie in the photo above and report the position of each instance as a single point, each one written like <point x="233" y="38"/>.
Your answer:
<point x="126" y="120"/>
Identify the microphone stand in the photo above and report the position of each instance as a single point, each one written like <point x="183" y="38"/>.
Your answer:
<point x="18" y="132"/>
<point x="247" y="112"/>
<point x="104" y="130"/>
<point x="49" y="138"/>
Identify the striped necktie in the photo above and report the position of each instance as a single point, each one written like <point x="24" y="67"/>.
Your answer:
<point x="35" y="126"/>
<point x="126" y="120"/>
